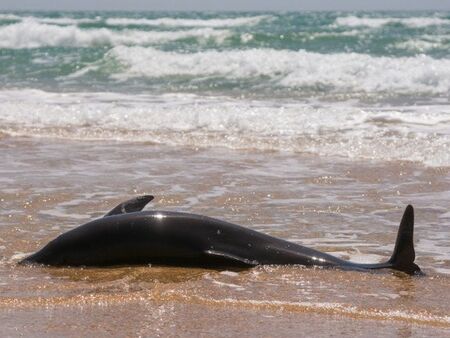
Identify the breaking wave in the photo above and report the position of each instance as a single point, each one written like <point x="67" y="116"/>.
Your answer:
<point x="31" y="34"/>
<point x="416" y="133"/>
<point x="416" y="22"/>
<point x="177" y="22"/>
<point x="340" y="72"/>
<point x="124" y="21"/>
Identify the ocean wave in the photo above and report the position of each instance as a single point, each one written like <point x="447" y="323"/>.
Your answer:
<point x="417" y="45"/>
<point x="56" y="21"/>
<point x="124" y="21"/>
<point x="179" y="22"/>
<point x="64" y="21"/>
<point x="342" y="72"/>
<point x="31" y="34"/>
<point x="424" y="43"/>
<point x="416" y="133"/>
<point x="9" y="17"/>
<point x="416" y="22"/>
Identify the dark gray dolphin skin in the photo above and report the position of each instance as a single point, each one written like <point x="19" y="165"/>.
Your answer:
<point x="128" y="236"/>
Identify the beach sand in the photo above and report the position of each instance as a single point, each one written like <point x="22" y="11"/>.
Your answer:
<point x="348" y="208"/>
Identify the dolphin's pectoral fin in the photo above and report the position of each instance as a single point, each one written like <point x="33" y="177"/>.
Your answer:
<point x="133" y="205"/>
<point x="235" y="259"/>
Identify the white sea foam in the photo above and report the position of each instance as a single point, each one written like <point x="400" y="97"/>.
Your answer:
<point x="179" y="22"/>
<point x="31" y="34"/>
<point x="417" y="133"/>
<point x="342" y="72"/>
<point x="418" y="22"/>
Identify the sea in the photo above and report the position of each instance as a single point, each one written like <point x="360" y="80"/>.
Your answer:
<point x="317" y="127"/>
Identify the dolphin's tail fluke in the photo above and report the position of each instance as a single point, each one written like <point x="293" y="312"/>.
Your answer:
<point x="402" y="258"/>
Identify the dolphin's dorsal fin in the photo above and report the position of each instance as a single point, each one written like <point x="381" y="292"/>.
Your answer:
<point x="230" y="257"/>
<point x="133" y="205"/>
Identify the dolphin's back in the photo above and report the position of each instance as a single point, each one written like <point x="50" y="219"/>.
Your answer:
<point x="161" y="237"/>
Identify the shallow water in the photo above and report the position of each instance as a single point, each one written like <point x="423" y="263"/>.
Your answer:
<point x="350" y="209"/>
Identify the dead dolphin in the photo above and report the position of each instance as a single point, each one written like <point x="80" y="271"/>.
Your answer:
<point x="127" y="235"/>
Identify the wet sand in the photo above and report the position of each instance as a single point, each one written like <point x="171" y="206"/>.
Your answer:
<point x="347" y="208"/>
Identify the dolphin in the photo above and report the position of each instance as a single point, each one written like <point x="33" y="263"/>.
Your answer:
<point x="128" y="236"/>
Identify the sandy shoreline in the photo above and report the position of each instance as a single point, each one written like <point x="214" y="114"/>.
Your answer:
<point x="347" y="208"/>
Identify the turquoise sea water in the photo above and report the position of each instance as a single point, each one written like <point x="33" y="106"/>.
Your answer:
<point x="371" y="82"/>
<point x="223" y="53"/>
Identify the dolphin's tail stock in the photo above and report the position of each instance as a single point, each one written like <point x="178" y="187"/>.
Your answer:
<point x="402" y="258"/>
